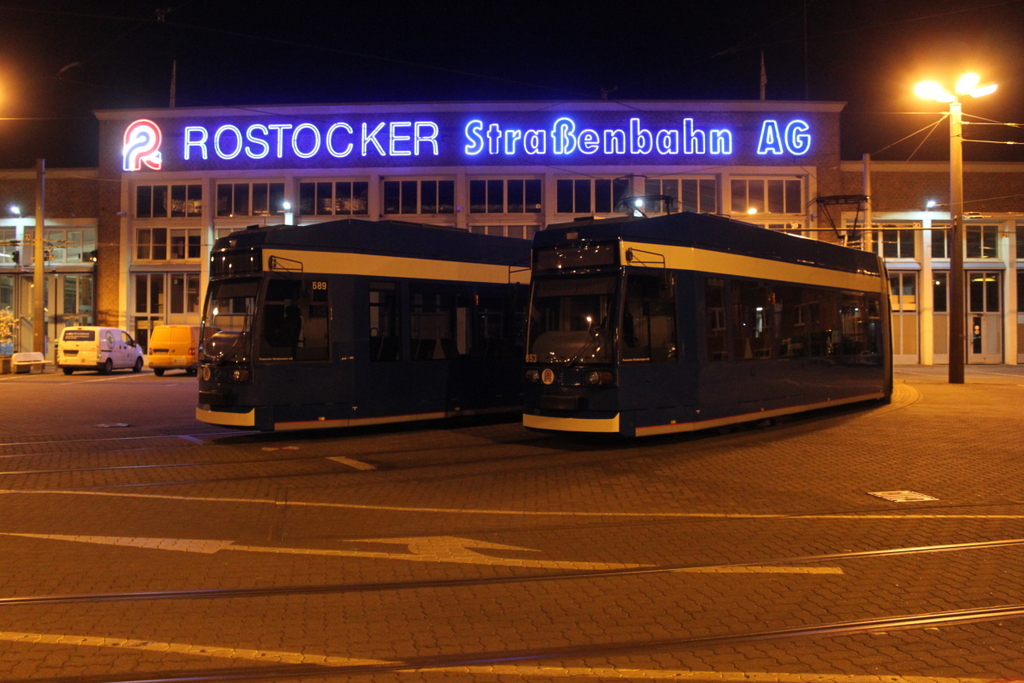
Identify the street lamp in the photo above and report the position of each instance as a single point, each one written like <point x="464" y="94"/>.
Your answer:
<point x="930" y="90"/>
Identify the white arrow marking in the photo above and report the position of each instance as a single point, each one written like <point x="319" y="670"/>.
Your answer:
<point x="426" y="549"/>
<point x="421" y="549"/>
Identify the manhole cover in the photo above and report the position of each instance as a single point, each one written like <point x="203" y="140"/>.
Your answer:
<point x="901" y="496"/>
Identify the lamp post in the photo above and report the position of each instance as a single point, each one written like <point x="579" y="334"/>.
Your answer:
<point x="930" y="90"/>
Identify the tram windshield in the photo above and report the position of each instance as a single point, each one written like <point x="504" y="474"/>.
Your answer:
<point x="571" y="320"/>
<point x="228" y="323"/>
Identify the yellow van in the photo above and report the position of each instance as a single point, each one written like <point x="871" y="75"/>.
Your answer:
<point x="174" y="347"/>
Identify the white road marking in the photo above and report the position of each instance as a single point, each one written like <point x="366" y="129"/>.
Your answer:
<point x="426" y="549"/>
<point x="525" y="671"/>
<point x="420" y="549"/>
<point x="518" y="513"/>
<point x="355" y="464"/>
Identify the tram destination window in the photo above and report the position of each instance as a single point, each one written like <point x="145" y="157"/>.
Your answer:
<point x="569" y="258"/>
<point x="295" y="320"/>
<point x="649" y="318"/>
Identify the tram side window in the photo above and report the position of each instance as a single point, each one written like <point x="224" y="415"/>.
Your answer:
<point x="791" y="316"/>
<point x="649" y="318"/>
<point x="822" y="321"/>
<point x="752" y="320"/>
<point x="853" y="311"/>
<point x="295" y="320"/>
<point x="385" y="333"/>
<point x="714" y="312"/>
<point x="499" y="328"/>
<point x="438" y="324"/>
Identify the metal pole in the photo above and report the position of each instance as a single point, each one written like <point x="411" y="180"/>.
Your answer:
<point x="39" y="299"/>
<point x="956" y="256"/>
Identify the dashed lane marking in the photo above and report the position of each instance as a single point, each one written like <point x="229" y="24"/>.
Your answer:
<point x="520" y="513"/>
<point x="525" y="671"/>
<point x="355" y="464"/>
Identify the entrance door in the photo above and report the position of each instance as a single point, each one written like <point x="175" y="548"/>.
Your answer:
<point x="903" y="297"/>
<point x="984" y="320"/>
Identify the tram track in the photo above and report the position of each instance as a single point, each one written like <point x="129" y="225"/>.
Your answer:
<point x="335" y="589"/>
<point x="484" y="661"/>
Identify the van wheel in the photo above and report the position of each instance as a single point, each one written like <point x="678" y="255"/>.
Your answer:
<point x="159" y="372"/>
<point x="68" y="371"/>
<point x="107" y="367"/>
<point x="138" y="365"/>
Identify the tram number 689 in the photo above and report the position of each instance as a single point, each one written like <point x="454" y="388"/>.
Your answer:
<point x="319" y="285"/>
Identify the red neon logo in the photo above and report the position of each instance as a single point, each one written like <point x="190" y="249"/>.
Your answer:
<point x="142" y="141"/>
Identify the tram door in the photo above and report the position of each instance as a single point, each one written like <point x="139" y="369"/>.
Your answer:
<point x="984" y="321"/>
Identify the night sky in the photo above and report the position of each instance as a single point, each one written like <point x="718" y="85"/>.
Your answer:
<point x="59" y="61"/>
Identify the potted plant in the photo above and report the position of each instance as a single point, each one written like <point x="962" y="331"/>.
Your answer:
<point x="7" y="321"/>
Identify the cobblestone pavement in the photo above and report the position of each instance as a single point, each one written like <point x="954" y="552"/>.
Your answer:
<point x="138" y="544"/>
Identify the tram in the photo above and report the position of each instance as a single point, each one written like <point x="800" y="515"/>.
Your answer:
<point x="644" y="326"/>
<point x="356" y="322"/>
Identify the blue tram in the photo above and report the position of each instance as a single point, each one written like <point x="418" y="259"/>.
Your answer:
<point x="689" y="321"/>
<point x="356" y="322"/>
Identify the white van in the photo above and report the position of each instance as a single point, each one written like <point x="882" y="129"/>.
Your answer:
<point x="97" y="348"/>
<point x="174" y="347"/>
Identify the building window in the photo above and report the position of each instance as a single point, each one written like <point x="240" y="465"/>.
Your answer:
<point x="767" y="195"/>
<point x="168" y="201"/>
<point x="250" y="199"/>
<point x="1020" y="291"/>
<point x="699" y="195"/>
<point x="419" y="196"/>
<point x="983" y="292"/>
<point x="341" y="198"/>
<point x="903" y="292"/>
<point x="982" y="241"/>
<point x="8" y="247"/>
<point x="523" y="232"/>
<point x="893" y="242"/>
<point x="1020" y="242"/>
<point x="592" y="195"/>
<point x="505" y="196"/>
<point x="940" y="241"/>
<point x="940" y="291"/>
<point x="73" y="245"/>
<point x="167" y="244"/>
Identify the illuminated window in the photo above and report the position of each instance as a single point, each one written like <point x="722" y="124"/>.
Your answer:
<point x="341" y="198"/>
<point x="419" y="196"/>
<point x="699" y="195"/>
<point x="167" y="244"/>
<point x="591" y="195"/>
<point x="168" y="201"/>
<point x="893" y="242"/>
<point x="982" y="241"/>
<point x="505" y="196"/>
<point x="767" y="195"/>
<point x="250" y="199"/>
<point x="8" y="246"/>
<point x="523" y="232"/>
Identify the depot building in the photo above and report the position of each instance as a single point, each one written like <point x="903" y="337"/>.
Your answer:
<point x="128" y="243"/>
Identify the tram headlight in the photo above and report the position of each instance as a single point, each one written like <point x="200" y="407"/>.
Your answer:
<point x="532" y="375"/>
<point x="595" y="378"/>
<point x="240" y="375"/>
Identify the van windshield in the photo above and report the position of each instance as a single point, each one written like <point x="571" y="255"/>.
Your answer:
<point x="227" y="323"/>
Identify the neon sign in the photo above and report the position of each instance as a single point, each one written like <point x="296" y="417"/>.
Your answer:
<point x="453" y="138"/>
<point x="636" y="139"/>
<point x="142" y="140"/>
<point x="305" y="140"/>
